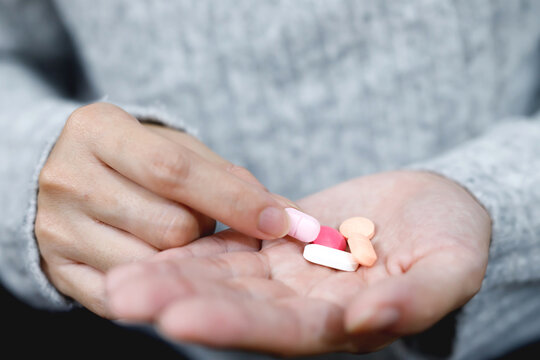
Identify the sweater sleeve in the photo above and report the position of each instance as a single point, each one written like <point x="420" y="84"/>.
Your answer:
<point x="41" y="84"/>
<point x="501" y="169"/>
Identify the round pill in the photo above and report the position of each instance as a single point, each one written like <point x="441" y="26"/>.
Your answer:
<point x="362" y="250"/>
<point x="357" y="225"/>
<point x="329" y="257"/>
<point x="331" y="237"/>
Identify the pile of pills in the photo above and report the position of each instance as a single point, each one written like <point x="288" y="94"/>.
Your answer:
<point x="329" y="248"/>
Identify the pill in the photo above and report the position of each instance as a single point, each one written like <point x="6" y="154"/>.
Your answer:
<point x="331" y="237"/>
<point x="357" y="225"/>
<point x="330" y="257"/>
<point x="302" y="226"/>
<point x="362" y="250"/>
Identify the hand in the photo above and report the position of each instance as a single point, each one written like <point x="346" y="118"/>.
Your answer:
<point x="432" y="243"/>
<point x="114" y="191"/>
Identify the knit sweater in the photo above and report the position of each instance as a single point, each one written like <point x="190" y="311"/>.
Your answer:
<point x="449" y="86"/>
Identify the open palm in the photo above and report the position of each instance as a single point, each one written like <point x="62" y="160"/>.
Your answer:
<point x="229" y="290"/>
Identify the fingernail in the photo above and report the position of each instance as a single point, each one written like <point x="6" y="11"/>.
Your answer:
<point x="302" y="226"/>
<point x="273" y="222"/>
<point x="375" y="319"/>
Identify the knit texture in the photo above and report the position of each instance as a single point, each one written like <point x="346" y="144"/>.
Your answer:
<point x="285" y="88"/>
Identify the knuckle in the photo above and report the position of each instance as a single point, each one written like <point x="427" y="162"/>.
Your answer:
<point x="239" y="171"/>
<point x="47" y="176"/>
<point x="237" y="201"/>
<point x="244" y="174"/>
<point x="169" y="172"/>
<point x="179" y="230"/>
<point x="91" y="117"/>
<point x="80" y="117"/>
<point x="54" y="178"/>
<point x="49" y="232"/>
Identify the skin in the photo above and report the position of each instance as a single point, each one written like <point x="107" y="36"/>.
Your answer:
<point x="231" y="290"/>
<point x="114" y="191"/>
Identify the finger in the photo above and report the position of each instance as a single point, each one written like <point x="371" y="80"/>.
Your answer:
<point x="142" y="297"/>
<point x="201" y="149"/>
<point x="411" y="302"/>
<point x="119" y="202"/>
<point x="259" y="288"/>
<point x="82" y="283"/>
<point x="190" y="142"/>
<point x="219" y="243"/>
<point x="306" y="326"/>
<point x="103" y="247"/>
<point x="224" y="241"/>
<point x="222" y="266"/>
<point x="175" y="172"/>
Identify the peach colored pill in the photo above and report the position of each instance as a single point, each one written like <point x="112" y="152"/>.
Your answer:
<point x="361" y="249"/>
<point x="357" y="225"/>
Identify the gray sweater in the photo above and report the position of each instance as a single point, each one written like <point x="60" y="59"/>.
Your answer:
<point x="447" y="86"/>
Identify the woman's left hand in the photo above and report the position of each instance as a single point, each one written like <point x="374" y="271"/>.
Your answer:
<point x="432" y="242"/>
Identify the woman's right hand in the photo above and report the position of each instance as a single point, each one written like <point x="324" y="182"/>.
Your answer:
<point x="114" y="191"/>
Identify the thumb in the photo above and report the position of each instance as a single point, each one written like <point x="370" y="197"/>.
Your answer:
<point x="413" y="301"/>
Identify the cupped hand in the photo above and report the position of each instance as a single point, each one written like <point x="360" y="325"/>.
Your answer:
<point x="432" y="243"/>
<point x="114" y="191"/>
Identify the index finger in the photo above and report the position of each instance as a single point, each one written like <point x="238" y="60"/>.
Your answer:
<point x="177" y="173"/>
